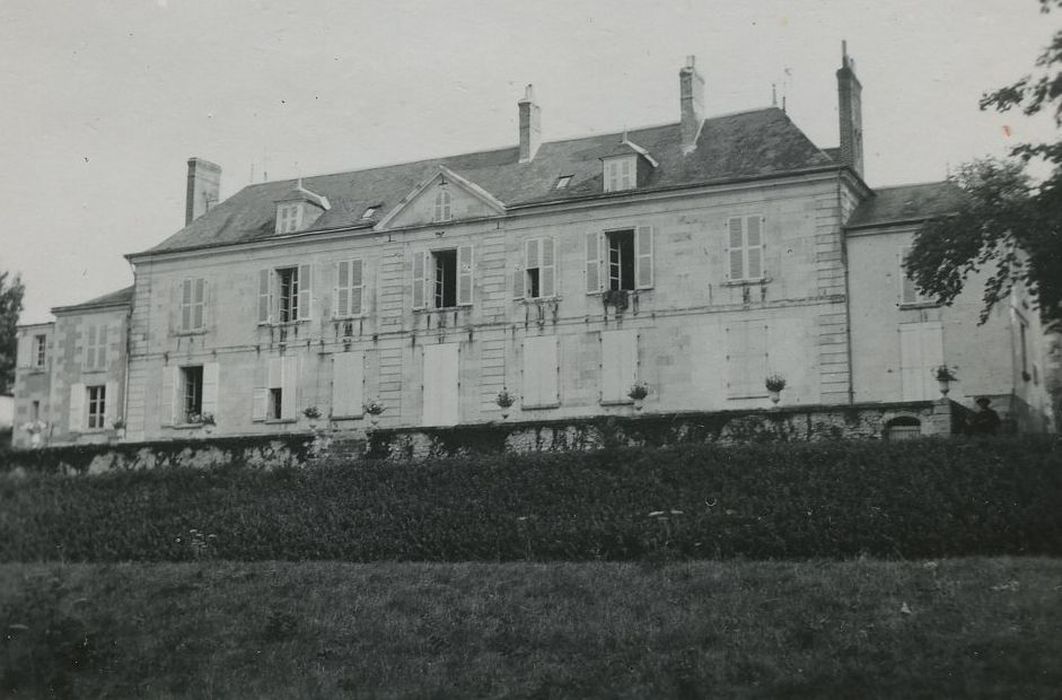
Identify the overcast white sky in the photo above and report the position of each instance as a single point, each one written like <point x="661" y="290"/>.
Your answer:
<point x="103" y="102"/>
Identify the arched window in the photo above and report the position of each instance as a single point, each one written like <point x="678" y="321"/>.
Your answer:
<point x="442" y="205"/>
<point x="903" y="428"/>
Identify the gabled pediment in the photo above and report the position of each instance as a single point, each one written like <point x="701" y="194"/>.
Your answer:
<point x="443" y="197"/>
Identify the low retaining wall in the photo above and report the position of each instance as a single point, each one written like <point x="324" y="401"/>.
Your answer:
<point x="868" y="421"/>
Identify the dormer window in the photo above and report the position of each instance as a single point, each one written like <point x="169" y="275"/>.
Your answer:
<point x="289" y="216"/>
<point x="369" y="212"/>
<point x="443" y="201"/>
<point x="620" y="173"/>
<point x="563" y="181"/>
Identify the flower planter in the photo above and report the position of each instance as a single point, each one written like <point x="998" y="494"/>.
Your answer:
<point x="945" y="387"/>
<point x="775" y="396"/>
<point x="638" y="403"/>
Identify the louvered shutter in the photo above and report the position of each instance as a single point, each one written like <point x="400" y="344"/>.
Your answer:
<point x="110" y="404"/>
<point x="348" y="378"/>
<point x="289" y="388"/>
<point x="735" y="250"/>
<point x="357" y="287"/>
<point x="593" y="262"/>
<point x="519" y="274"/>
<point x="171" y="384"/>
<point x="211" y="379"/>
<point x="341" y="291"/>
<point x="259" y="404"/>
<point x="101" y="348"/>
<point x="420" y="268"/>
<point x="754" y="247"/>
<point x="186" y="305"/>
<point x="619" y="365"/>
<point x="643" y="246"/>
<point x="265" y="296"/>
<point x="305" y="292"/>
<point x="77" y="407"/>
<point x="199" y="304"/>
<point x="540" y="376"/>
<point x="25" y="350"/>
<point x="464" y="275"/>
<point x="441" y="384"/>
<point x="547" y="278"/>
<point x="90" y="347"/>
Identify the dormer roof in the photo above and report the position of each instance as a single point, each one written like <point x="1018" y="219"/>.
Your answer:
<point x="627" y="147"/>
<point x="299" y="193"/>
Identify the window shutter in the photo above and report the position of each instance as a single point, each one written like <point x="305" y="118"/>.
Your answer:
<point x="110" y="403"/>
<point x="25" y="350"/>
<point x="735" y="248"/>
<point x="519" y="274"/>
<point x="289" y="387"/>
<point x="348" y="376"/>
<point x="341" y="290"/>
<point x="305" y="292"/>
<point x="643" y="246"/>
<point x="357" y="287"/>
<point x="540" y="372"/>
<point x="90" y="347"/>
<point x="619" y="365"/>
<point x="754" y="246"/>
<point x="186" y="305"/>
<point x="101" y="348"/>
<point x="259" y="404"/>
<point x="77" y="407"/>
<point x="265" y="296"/>
<point x="420" y="267"/>
<point x="532" y="261"/>
<point x="464" y="275"/>
<point x="171" y="384"/>
<point x="200" y="302"/>
<point x="211" y="377"/>
<point x="547" y="275"/>
<point x="593" y="262"/>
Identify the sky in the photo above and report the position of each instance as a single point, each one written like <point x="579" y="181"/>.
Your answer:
<point x="104" y="102"/>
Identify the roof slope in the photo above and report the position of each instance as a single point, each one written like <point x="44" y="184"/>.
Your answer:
<point x="755" y="143"/>
<point x="122" y="297"/>
<point x="906" y="203"/>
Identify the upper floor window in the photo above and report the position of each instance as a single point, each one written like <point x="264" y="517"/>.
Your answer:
<point x="369" y="212"/>
<point x="619" y="173"/>
<point x="40" y="345"/>
<point x="193" y="296"/>
<point x="617" y="260"/>
<point x="909" y="293"/>
<point x="539" y="276"/>
<point x="95" y="347"/>
<point x="350" y="286"/>
<point x="442" y="278"/>
<point x="563" y="181"/>
<point x="289" y="217"/>
<point x="443" y="201"/>
<point x="284" y="294"/>
<point x="745" y="249"/>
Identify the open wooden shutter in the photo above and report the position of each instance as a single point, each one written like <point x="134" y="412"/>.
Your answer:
<point x="211" y="377"/>
<point x="265" y="296"/>
<point x="305" y="292"/>
<point x="90" y="347"/>
<point x="643" y="246"/>
<point x="290" y="388"/>
<point x="357" y="287"/>
<point x="547" y="277"/>
<point x="25" y="350"/>
<point x="199" y="303"/>
<point x="518" y="274"/>
<point x="110" y="404"/>
<point x="464" y="275"/>
<point x="441" y="405"/>
<point x="101" y="349"/>
<point x="754" y="247"/>
<point x="341" y="290"/>
<point x="420" y="273"/>
<point x="168" y="396"/>
<point x="186" y="305"/>
<point x="735" y="249"/>
<point x="259" y="404"/>
<point x="593" y="262"/>
<point x="77" y="407"/>
<point x="348" y="378"/>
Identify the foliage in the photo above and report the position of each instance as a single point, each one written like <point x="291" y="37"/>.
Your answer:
<point x="1005" y="223"/>
<point x="795" y="500"/>
<point x="504" y="399"/>
<point x="638" y="391"/>
<point x="206" y="418"/>
<point x="374" y="407"/>
<point x="943" y="373"/>
<point x="11" y="292"/>
<point x="774" y="382"/>
<point x="311" y="412"/>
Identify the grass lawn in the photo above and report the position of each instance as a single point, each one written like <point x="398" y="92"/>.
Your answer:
<point x="953" y="628"/>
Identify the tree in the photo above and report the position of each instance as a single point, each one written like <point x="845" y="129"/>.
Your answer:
<point x="10" y="308"/>
<point x="1007" y="224"/>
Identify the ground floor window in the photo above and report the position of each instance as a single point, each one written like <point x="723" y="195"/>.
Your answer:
<point x="97" y="398"/>
<point x="192" y="393"/>
<point x="276" y="404"/>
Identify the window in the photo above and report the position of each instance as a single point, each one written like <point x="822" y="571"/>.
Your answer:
<point x="747" y="359"/>
<point x="288" y="218"/>
<point x="903" y="428"/>
<point x="369" y="212"/>
<point x="35" y="411"/>
<point x="97" y="398"/>
<point x="563" y="181"/>
<point x="193" y="294"/>
<point x="284" y="294"/>
<point x="619" y="260"/>
<point x="191" y="394"/>
<point x="619" y="365"/>
<point x="745" y="249"/>
<point x="288" y="298"/>
<point x="40" y="344"/>
<point x="276" y="390"/>
<point x="921" y="349"/>
<point x="909" y="293"/>
<point x="350" y="286"/>
<point x="539" y="277"/>
<point x="619" y="173"/>
<point x="96" y="347"/>
<point x="443" y="200"/>
<point x="442" y="278"/>
<point x="276" y="404"/>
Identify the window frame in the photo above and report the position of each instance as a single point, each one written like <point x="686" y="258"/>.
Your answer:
<point x="620" y="173"/>
<point x="192" y="303"/>
<point x="96" y="406"/>
<point x="40" y="350"/>
<point x="289" y="217"/>
<point x="97" y="349"/>
<point x="443" y="210"/>
<point x="345" y="284"/>
<point x="191" y="404"/>
<point x="540" y="244"/>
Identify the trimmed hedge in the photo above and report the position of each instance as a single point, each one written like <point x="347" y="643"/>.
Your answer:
<point x="925" y="498"/>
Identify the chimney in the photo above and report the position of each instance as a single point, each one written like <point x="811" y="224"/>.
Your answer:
<point x="204" y="185"/>
<point x="530" y="128"/>
<point x="691" y="100"/>
<point x="850" y="110"/>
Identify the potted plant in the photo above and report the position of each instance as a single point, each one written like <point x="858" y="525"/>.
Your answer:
<point x="313" y="413"/>
<point x="616" y="298"/>
<point x="944" y="376"/>
<point x="638" y="391"/>
<point x="505" y="400"/>
<point x="374" y="408"/>
<point x="205" y="420"/>
<point x="774" y="383"/>
<point x="36" y="429"/>
<point x="119" y="428"/>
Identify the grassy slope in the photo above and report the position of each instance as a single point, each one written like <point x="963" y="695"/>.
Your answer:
<point x="977" y="627"/>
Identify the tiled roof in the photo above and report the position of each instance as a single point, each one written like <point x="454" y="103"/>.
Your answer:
<point x="906" y="203"/>
<point x="123" y="297"/>
<point x="749" y="144"/>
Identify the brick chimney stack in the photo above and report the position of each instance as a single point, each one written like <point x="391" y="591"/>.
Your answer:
<point x="850" y="110"/>
<point x="530" y="126"/>
<point x="204" y="187"/>
<point x="691" y="101"/>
